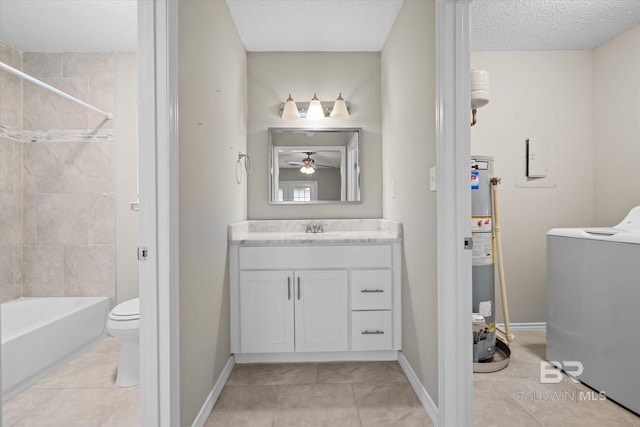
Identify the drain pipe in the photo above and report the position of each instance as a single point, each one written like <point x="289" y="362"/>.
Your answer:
<point x="503" y="288"/>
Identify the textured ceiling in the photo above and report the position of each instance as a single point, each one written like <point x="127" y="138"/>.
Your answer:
<point x="320" y="25"/>
<point x="69" y="25"/>
<point x="314" y="25"/>
<point x="549" y="24"/>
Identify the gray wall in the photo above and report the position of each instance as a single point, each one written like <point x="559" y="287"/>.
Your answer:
<point x="543" y="94"/>
<point x="329" y="181"/>
<point x="585" y="103"/>
<point x="409" y="150"/>
<point x="127" y="229"/>
<point x="617" y="127"/>
<point x="212" y="129"/>
<point x="271" y="77"/>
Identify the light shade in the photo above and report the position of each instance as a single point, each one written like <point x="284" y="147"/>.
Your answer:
<point x="307" y="169"/>
<point x="339" y="111"/>
<point x="315" y="109"/>
<point x="290" y="111"/>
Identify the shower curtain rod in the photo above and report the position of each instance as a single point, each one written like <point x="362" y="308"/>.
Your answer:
<point x="42" y="84"/>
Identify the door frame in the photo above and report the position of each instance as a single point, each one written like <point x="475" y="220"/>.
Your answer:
<point x="160" y="390"/>
<point x="158" y="177"/>
<point x="453" y="152"/>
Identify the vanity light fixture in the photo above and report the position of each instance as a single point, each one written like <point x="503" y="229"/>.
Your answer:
<point x="339" y="111"/>
<point x="290" y="111"/>
<point x="315" y="109"/>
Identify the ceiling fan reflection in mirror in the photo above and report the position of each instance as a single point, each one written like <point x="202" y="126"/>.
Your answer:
<point x="308" y="165"/>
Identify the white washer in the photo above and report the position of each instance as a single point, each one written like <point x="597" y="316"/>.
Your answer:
<point x="593" y="302"/>
<point x="124" y="324"/>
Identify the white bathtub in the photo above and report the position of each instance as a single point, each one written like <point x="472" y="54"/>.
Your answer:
<point x="41" y="334"/>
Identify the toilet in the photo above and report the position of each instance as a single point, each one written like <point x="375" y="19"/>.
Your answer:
<point x="124" y="324"/>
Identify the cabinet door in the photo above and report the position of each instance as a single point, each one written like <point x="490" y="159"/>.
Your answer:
<point x="321" y="311"/>
<point x="266" y="311"/>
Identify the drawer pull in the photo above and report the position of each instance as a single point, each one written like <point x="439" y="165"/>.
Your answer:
<point x="376" y="332"/>
<point x="288" y="288"/>
<point x="372" y="291"/>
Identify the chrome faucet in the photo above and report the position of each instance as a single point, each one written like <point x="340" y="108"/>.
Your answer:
<point x="315" y="228"/>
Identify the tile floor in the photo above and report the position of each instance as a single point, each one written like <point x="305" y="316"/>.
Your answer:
<point x="514" y="396"/>
<point x="357" y="394"/>
<point x="81" y="393"/>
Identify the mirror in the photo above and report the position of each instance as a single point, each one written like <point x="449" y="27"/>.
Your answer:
<point x="315" y="165"/>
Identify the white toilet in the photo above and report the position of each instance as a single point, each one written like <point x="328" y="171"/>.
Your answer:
<point x="124" y="324"/>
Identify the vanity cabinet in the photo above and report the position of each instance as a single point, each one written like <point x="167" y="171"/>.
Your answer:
<point x="315" y="302"/>
<point x="371" y="309"/>
<point x="286" y="311"/>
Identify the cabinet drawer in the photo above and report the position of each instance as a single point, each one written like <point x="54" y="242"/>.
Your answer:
<point x="315" y="257"/>
<point x="371" y="289"/>
<point x="371" y="330"/>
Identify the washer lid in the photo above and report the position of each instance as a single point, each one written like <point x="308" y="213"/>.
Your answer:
<point x="127" y="310"/>
<point x="605" y="234"/>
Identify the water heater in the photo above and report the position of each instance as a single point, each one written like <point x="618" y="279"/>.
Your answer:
<point x="484" y="342"/>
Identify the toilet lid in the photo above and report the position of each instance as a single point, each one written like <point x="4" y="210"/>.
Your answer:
<point x="128" y="310"/>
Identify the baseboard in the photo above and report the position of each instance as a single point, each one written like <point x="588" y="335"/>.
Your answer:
<point x="207" y="407"/>
<point x="308" y="357"/>
<point x="525" y="326"/>
<point x="427" y="403"/>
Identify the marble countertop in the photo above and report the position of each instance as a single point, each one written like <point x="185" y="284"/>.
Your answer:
<point x="282" y="232"/>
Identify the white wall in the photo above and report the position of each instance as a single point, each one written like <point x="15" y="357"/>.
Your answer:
<point x="544" y="94"/>
<point x="271" y="77"/>
<point x="617" y="127"/>
<point x="126" y="163"/>
<point x="409" y="150"/>
<point x="212" y="129"/>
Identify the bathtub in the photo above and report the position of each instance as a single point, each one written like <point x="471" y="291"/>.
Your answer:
<point x="41" y="334"/>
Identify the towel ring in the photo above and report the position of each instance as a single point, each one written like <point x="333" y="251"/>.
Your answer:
<point x="248" y="166"/>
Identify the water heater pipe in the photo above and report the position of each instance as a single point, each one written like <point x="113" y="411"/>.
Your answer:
<point x="503" y="287"/>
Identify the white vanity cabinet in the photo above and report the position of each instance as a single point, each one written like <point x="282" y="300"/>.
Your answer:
<point x="285" y="311"/>
<point x="315" y="301"/>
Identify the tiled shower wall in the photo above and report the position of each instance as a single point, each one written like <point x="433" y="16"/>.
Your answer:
<point x="11" y="202"/>
<point x="67" y="224"/>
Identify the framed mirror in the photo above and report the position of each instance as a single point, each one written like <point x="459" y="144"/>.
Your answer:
<point x="315" y="165"/>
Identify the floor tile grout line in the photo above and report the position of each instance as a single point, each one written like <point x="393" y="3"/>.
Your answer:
<point x="355" y="401"/>
<point x="520" y="405"/>
<point x="34" y="409"/>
